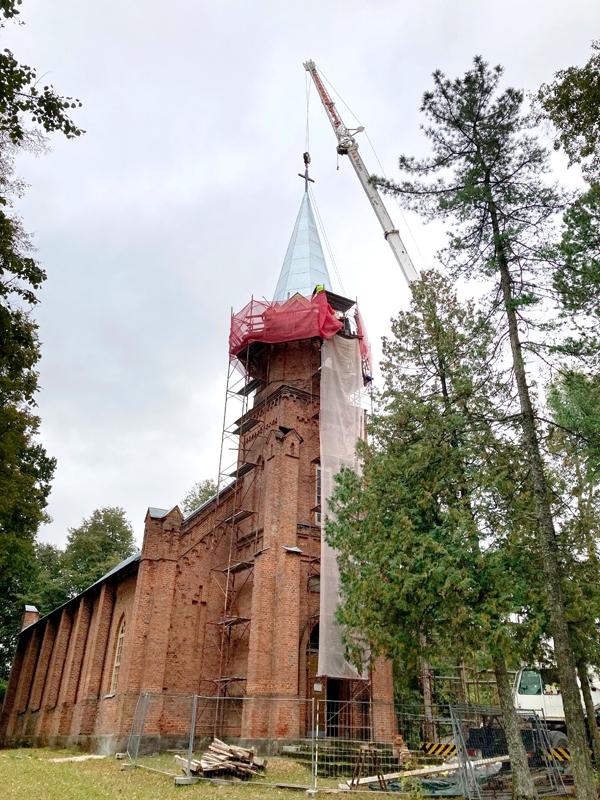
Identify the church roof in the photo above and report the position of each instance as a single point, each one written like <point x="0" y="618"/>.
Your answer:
<point x="304" y="264"/>
<point x="125" y="563"/>
<point x="118" y="568"/>
<point x="158" y="513"/>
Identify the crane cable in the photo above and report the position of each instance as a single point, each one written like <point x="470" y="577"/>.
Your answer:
<point x="312" y="194"/>
<point x="324" y="235"/>
<point x="408" y="228"/>
<point x="307" y="138"/>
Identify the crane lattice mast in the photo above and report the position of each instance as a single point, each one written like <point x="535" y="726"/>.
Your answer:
<point x="348" y="146"/>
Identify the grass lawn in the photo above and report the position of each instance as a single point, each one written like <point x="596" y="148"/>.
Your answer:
<point x="28" y="774"/>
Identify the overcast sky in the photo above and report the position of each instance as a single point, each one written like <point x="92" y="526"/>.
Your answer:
<point x="179" y="201"/>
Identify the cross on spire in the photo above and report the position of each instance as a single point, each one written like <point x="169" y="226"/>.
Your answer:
<point x="306" y="157"/>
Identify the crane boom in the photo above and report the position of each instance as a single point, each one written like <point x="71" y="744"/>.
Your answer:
<point x="347" y="145"/>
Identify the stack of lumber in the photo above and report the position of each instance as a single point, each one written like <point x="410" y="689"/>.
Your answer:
<point x="222" y="758"/>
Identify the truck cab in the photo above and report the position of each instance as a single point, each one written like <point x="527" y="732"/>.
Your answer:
<point x="538" y="689"/>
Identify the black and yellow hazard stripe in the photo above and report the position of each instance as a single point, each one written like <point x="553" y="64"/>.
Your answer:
<point x="561" y="754"/>
<point x="437" y="749"/>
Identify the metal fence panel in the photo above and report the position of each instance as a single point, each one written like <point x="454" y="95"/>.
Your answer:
<point x="369" y="745"/>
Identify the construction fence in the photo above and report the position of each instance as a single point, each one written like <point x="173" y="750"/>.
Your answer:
<point x="356" y="745"/>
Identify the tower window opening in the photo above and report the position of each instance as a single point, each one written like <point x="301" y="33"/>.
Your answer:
<point x="117" y="664"/>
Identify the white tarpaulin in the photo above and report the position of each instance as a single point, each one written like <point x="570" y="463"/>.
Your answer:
<point x="341" y="424"/>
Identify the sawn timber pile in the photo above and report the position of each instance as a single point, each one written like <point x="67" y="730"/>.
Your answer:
<point x="222" y="758"/>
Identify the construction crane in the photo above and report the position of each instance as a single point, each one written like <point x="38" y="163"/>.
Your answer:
<point x="348" y="146"/>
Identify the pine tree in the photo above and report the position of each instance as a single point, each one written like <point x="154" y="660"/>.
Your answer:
<point x="435" y="536"/>
<point x="486" y="178"/>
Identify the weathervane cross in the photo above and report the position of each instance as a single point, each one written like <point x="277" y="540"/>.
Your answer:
<point x="306" y="157"/>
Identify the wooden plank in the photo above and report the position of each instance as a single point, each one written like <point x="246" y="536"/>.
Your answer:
<point x="413" y="773"/>
<point x="241" y="752"/>
<point x="182" y="762"/>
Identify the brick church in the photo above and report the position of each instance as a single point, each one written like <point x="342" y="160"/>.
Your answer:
<point x="234" y="603"/>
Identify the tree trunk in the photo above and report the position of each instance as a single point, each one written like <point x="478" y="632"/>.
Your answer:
<point x="462" y="687"/>
<point x="522" y="782"/>
<point x="578" y="746"/>
<point x="589" y="710"/>
<point x="426" y="677"/>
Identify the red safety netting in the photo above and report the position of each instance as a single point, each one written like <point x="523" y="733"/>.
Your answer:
<point x="363" y="341"/>
<point x="297" y="318"/>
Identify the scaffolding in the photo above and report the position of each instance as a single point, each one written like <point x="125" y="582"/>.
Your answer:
<point x="234" y="505"/>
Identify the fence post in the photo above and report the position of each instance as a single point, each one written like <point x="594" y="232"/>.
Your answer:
<point x="313" y="762"/>
<point x="192" y="734"/>
<point x="137" y="724"/>
<point x="143" y="703"/>
<point x="317" y="742"/>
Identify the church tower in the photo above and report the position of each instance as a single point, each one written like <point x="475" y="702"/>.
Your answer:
<point x="273" y="634"/>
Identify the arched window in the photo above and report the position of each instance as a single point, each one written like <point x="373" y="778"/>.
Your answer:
<point x="313" y="641"/>
<point x="118" y="651"/>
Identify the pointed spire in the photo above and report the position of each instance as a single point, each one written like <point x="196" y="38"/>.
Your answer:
<point x="304" y="264"/>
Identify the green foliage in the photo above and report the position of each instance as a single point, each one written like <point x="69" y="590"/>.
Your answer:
<point x="8" y="8"/>
<point x="575" y="404"/>
<point x="96" y="546"/>
<point x="100" y="543"/>
<point x="197" y="495"/>
<point x="25" y="468"/>
<point x="486" y="178"/>
<point x="433" y="536"/>
<point x="50" y="587"/>
<point x="27" y="112"/>
<point x="574" y="401"/>
<point x="571" y="103"/>
<point x="21" y="100"/>
<point x="489" y="187"/>
<point x="577" y="272"/>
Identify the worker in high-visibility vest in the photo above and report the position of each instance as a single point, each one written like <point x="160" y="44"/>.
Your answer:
<point x="318" y="288"/>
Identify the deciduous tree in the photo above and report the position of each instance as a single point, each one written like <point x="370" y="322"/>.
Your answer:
<point x="101" y="541"/>
<point x="576" y="260"/>
<point x="198" y="494"/>
<point x="572" y="102"/>
<point x="27" y="112"/>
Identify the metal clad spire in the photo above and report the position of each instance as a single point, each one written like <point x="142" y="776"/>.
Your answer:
<point x="304" y="264"/>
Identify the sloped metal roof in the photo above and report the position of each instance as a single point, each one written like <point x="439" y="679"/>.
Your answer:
<point x="125" y="563"/>
<point x="118" y="568"/>
<point x="304" y="264"/>
<point x="158" y="513"/>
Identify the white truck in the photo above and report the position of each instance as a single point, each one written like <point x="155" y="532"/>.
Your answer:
<point x="538" y="689"/>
